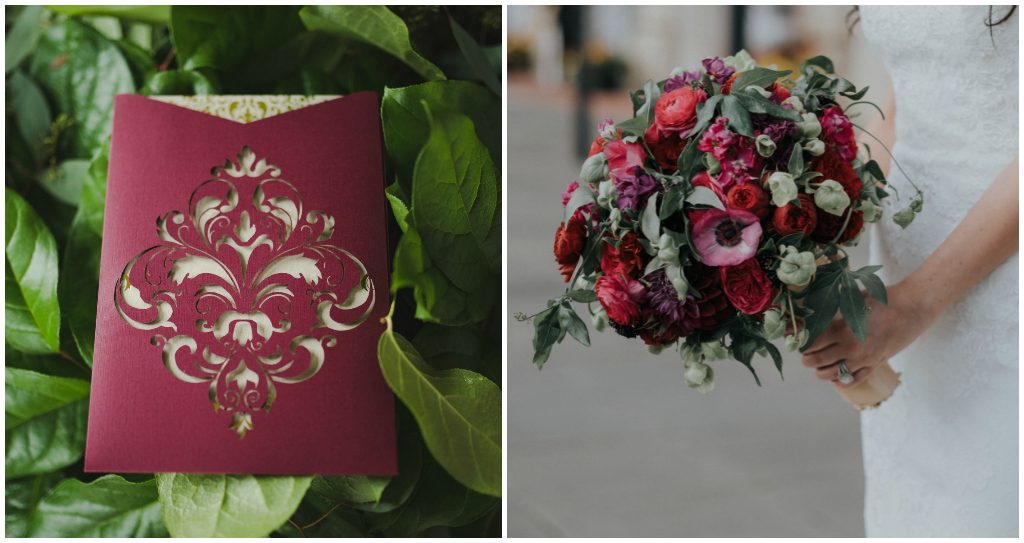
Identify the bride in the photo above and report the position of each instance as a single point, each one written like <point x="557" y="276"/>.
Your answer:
<point x="940" y="456"/>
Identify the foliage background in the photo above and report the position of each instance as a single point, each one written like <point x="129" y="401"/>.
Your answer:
<point x="437" y="71"/>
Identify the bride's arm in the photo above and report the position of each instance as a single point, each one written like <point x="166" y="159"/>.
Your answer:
<point x="985" y="238"/>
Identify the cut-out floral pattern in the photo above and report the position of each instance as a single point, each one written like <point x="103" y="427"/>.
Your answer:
<point x="244" y="291"/>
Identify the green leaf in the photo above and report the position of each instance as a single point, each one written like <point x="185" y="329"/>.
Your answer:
<point x="738" y="117"/>
<point x="851" y="305"/>
<point x="796" y="161"/>
<point x="546" y="332"/>
<point x="583" y="296"/>
<point x="758" y="104"/>
<point x="351" y="489"/>
<point x="185" y="82"/>
<point x="407" y="127"/>
<point x="79" y="284"/>
<point x="374" y="25"/>
<point x="31" y="112"/>
<point x="22" y="496"/>
<point x="50" y="364"/>
<point x="22" y="37"/>
<point x="65" y="181"/>
<point x="760" y="77"/>
<point x="579" y="198"/>
<point x="651" y="95"/>
<point x="476" y="57"/>
<point x="107" y="507"/>
<point x="227" y="505"/>
<point x="159" y="15"/>
<point x="224" y="37"/>
<point x="83" y="71"/>
<point x="706" y="111"/>
<point x="455" y="203"/>
<point x="650" y="224"/>
<point x="573" y="324"/>
<point x="94" y="190"/>
<point x="45" y="421"/>
<point x="820" y="61"/>
<point x="458" y="412"/>
<point x="703" y="196"/>
<point x="32" y="312"/>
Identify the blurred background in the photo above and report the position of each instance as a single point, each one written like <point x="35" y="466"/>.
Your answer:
<point x="609" y="441"/>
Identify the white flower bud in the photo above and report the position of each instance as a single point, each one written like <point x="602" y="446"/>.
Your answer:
<point x="798" y="106"/>
<point x="815" y="147"/>
<point x="783" y="188"/>
<point x="606" y="194"/>
<point x="594" y="169"/>
<point x="699" y="376"/>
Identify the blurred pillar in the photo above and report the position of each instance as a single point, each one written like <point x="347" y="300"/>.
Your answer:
<point x="739" y="24"/>
<point x="574" y="24"/>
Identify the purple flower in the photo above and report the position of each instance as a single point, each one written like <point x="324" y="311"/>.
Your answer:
<point x="633" y="188"/>
<point x="681" y="80"/>
<point x="717" y="69"/>
<point x="664" y="300"/>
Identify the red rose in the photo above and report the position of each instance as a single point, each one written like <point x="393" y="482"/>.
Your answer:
<point x="620" y="298"/>
<point x="829" y="225"/>
<point x="569" y="245"/>
<point x="625" y="259"/>
<point x="832" y="165"/>
<point x="665" y="147"/>
<point x="676" y="111"/>
<point x="747" y="287"/>
<point x="789" y="218"/>
<point x="749" y="197"/>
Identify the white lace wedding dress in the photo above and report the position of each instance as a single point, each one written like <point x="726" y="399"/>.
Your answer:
<point x="940" y="457"/>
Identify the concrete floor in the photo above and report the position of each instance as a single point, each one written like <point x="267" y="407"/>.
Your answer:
<point x="609" y="441"/>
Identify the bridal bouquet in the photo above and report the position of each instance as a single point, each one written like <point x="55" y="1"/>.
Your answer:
<point x="715" y="219"/>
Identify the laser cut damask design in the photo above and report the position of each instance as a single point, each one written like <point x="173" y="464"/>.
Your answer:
<point x="243" y="288"/>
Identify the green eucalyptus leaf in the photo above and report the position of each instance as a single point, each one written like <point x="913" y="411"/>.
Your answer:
<point x="227" y="505"/>
<point x="375" y="25"/>
<point x="143" y="14"/>
<point x="458" y="412"/>
<point x="32" y="314"/>
<point x="107" y="507"/>
<point x="45" y="421"/>
<point x="407" y="126"/>
<point x="476" y="58"/>
<point x="22" y="37"/>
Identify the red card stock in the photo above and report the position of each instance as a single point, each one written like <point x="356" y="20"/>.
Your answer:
<point x="243" y="277"/>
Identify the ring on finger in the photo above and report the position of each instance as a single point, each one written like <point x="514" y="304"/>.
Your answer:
<point x="845" y="375"/>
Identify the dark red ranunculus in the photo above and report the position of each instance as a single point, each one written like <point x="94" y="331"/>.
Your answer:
<point x="832" y="165"/>
<point x="829" y="225"/>
<point x="660" y="335"/>
<point x="569" y="241"/>
<point x="747" y="287"/>
<point x="676" y="111"/>
<point x="620" y="297"/>
<point x="712" y="307"/>
<point x="790" y="219"/>
<point x="665" y="146"/>
<point x="626" y="259"/>
<point x="749" y="197"/>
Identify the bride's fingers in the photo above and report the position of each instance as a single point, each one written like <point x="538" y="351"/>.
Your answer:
<point x="827" y="356"/>
<point x="858" y="377"/>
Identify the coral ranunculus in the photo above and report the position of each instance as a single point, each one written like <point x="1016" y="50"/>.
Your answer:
<point x="726" y="238"/>
<point x="569" y="241"/>
<point x="790" y="219"/>
<point x="749" y="197"/>
<point x="625" y="259"/>
<point x="676" y="111"/>
<point x="620" y="298"/>
<point x="747" y="286"/>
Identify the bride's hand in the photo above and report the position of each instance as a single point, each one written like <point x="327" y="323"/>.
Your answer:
<point x="891" y="327"/>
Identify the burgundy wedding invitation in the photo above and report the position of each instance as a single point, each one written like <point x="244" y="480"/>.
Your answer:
<point x="243" y="278"/>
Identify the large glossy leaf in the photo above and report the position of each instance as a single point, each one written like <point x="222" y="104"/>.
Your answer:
<point x="185" y="82"/>
<point x="21" y="497"/>
<point x="224" y="37"/>
<point x="94" y="190"/>
<point x="458" y="412"/>
<point x="228" y="505"/>
<point x="407" y="127"/>
<point x="476" y="57"/>
<point x="64" y="182"/>
<point x="50" y="364"/>
<point x="375" y="25"/>
<point x="79" y="284"/>
<point x="351" y="489"/>
<point x="455" y="202"/>
<point x="31" y="112"/>
<point x="83" y="71"/>
<point x="45" y="421"/>
<point x="107" y="507"/>
<point x="145" y="14"/>
<point x="32" y="313"/>
<point x="22" y="37"/>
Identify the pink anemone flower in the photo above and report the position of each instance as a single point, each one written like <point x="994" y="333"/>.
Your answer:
<point x="726" y="238"/>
